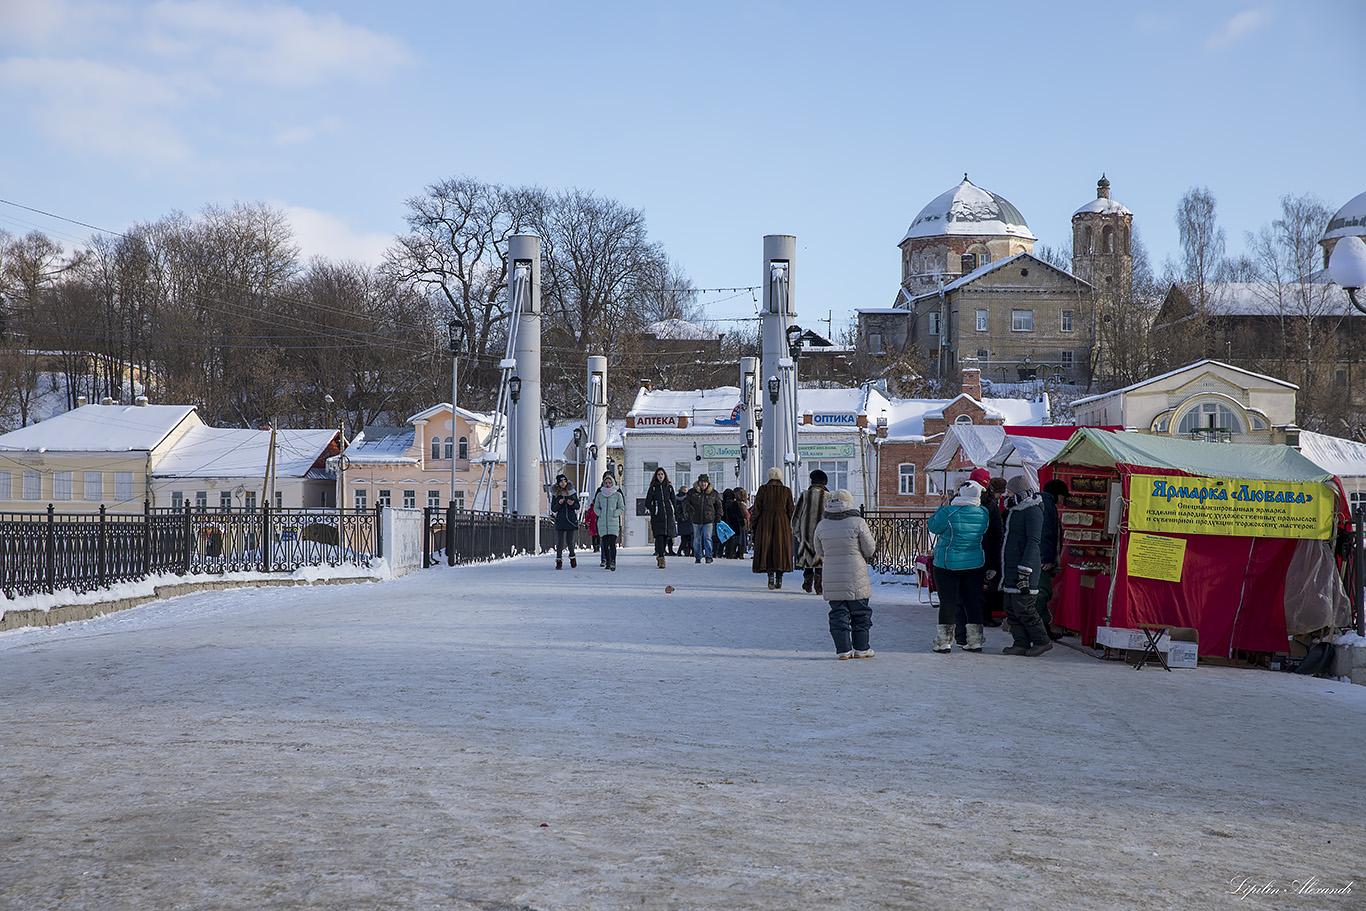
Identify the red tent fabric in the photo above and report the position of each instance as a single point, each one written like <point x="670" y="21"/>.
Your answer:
<point x="1048" y="431"/>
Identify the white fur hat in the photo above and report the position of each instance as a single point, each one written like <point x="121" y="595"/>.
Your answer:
<point x="775" y="474"/>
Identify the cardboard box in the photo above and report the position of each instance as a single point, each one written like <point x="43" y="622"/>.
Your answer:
<point x="1180" y="644"/>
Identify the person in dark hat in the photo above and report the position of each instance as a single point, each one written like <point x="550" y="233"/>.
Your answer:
<point x="1021" y="568"/>
<point x="1050" y="549"/>
<point x="564" y="505"/>
<point x="704" y="509"/>
<point x="809" y="512"/>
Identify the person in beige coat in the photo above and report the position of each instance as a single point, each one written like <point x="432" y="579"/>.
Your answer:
<point x="845" y="545"/>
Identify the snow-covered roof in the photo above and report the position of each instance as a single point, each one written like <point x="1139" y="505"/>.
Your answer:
<point x="1103" y="206"/>
<point x="214" y="452"/>
<point x="1179" y="370"/>
<point x="1012" y="411"/>
<point x="1349" y="220"/>
<point x="968" y="209"/>
<point x="102" y="428"/>
<point x="685" y="401"/>
<point x="900" y="310"/>
<point x="382" y="445"/>
<point x="1344" y="458"/>
<point x="473" y="417"/>
<point x="969" y="277"/>
<point x="1271" y="299"/>
<point x="682" y="330"/>
<point x="906" y="417"/>
<point x="706" y="405"/>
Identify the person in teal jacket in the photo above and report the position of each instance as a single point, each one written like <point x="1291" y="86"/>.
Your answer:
<point x="960" y="564"/>
<point x="610" y="506"/>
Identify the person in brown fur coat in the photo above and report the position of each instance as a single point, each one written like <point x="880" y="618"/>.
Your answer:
<point x="770" y="523"/>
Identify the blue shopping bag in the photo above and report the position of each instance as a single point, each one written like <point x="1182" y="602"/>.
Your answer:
<point x="724" y="532"/>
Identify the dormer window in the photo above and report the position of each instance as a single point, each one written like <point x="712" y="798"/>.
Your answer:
<point x="963" y="419"/>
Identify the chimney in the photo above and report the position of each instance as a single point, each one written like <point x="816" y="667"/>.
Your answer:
<point x="647" y="385"/>
<point x="972" y="378"/>
<point x="82" y="401"/>
<point x="106" y="401"/>
<point x="682" y="420"/>
<point x="808" y="417"/>
<point x="882" y="428"/>
<point x="140" y="401"/>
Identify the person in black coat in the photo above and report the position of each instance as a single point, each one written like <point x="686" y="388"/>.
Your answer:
<point x="661" y="507"/>
<point x="684" y="523"/>
<point x="1050" y="549"/>
<point x="564" y="505"/>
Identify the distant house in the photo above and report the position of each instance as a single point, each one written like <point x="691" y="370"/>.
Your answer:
<point x="219" y="468"/>
<point x="681" y="335"/>
<point x="91" y="456"/>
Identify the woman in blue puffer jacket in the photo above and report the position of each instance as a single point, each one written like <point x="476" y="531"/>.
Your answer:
<point x="960" y="564"/>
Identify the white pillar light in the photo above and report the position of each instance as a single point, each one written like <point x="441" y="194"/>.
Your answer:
<point x="524" y="292"/>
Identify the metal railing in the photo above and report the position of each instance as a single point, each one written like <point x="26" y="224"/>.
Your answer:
<point x="901" y="536"/>
<point x="48" y="551"/>
<point x="456" y="536"/>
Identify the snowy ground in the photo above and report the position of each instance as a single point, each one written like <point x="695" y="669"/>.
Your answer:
<point x="505" y="736"/>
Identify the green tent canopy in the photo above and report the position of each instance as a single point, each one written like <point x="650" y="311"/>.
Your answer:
<point x="1109" y="449"/>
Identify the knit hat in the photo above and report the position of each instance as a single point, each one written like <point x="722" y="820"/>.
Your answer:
<point x="971" y="489"/>
<point x="818" y="477"/>
<point x="702" y="477"/>
<point x="1018" y="484"/>
<point x="981" y="477"/>
<point x="775" y="474"/>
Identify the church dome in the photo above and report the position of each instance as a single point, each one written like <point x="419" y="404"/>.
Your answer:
<point x="969" y="209"/>
<point x="1102" y="204"/>
<point x="1349" y="220"/>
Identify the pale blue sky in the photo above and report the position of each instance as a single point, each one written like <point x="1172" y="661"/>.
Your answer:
<point x="722" y="121"/>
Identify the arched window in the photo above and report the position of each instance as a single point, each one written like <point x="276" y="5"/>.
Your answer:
<point x="963" y="419"/>
<point x="1086" y="239"/>
<point x="1107" y="239"/>
<point x="464" y="453"/>
<point x="436" y="448"/>
<point x="1200" y="416"/>
<point x="448" y="447"/>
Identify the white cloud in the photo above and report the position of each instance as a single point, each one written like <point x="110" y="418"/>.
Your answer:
<point x="96" y="106"/>
<point x="327" y="235"/>
<point x="1239" y="27"/>
<point x="277" y="45"/>
<point x="307" y="132"/>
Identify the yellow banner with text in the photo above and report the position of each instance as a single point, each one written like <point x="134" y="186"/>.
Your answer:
<point x="1220" y="506"/>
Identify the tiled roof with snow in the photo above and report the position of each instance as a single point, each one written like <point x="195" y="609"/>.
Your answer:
<point x="382" y="445"/>
<point x="214" y="452"/>
<point x="1344" y="458"/>
<point x="102" y="428"/>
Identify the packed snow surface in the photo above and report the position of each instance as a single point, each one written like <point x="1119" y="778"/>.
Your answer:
<point x="506" y="736"/>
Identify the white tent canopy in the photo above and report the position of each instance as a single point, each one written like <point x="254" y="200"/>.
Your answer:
<point x="1026" y="453"/>
<point x="977" y="442"/>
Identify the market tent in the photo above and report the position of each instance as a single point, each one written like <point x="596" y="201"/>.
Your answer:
<point x="975" y="443"/>
<point x="1026" y="452"/>
<point x="1240" y="592"/>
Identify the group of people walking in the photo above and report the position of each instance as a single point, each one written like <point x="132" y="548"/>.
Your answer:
<point x="1007" y="544"/>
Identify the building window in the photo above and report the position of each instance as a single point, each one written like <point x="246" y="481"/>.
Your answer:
<point x="1340" y="378"/>
<point x="201" y="500"/>
<point x="875" y="343"/>
<point x="434" y="498"/>
<point x="384" y="497"/>
<point x="464" y="452"/>
<point x="61" y="485"/>
<point x="983" y="356"/>
<point x="967" y="262"/>
<point x="249" y="501"/>
<point x="682" y="475"/>
<point x="1067" y="321"/>
<point x="177" y="499"/>
<point x="1209" y="414"/>
<point x="459" y="499"/>
<point x="410" y="499"/>
<point x="906" y="472"/>
<point x="361" y="500"/>
<point x="963" y="419"/>
<point x="1107" y="239"/>
<point x="94" y="485"/>
<point x="1358" y="498"/>
<point x="1086" y="239"/>
<point x="982" y="320"/>
<point x="225" y="499"/>
<point x="836" y="472"/>
<point x="505" y="501"/>
<point x="279" y="499"/>
<point x="6" y="485"/>
<point x="1021" y="320"/>
<point x="650" y="469"/>
<point x="33" y="485"/>
<point x="1067" y="359"/>
<point x="717" y="473"/>
<point x="436" y="449"/>
<point x="123" y="485"/>
<point x="931" y="488"/>
<point x="934" y="322"/>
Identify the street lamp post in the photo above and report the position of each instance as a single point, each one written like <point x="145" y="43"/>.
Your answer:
<point x="515" y="394"/>
<point x="578" y="457"/>
<point x="455" y="327"/>
<point x="1347" y="267"/>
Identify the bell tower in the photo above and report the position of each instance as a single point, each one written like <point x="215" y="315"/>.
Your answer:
<point x="1102" y="252"/>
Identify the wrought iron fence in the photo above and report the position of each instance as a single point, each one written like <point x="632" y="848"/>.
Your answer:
<point x="47" y="551"/>
<point x="901" y="536"/>
<point x="456" y="536"/>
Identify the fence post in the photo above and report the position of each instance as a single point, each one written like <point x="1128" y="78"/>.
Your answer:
<point x="102" y="548"/>
<point x="146" y="538"/>
<point x="265" y="536"/>
<point x="187" y="542"/>
<point x="50" y="564"/>
<point x="1359" y="575"/>
<point x="450" y="534"/>
<point x="379" y="530"/>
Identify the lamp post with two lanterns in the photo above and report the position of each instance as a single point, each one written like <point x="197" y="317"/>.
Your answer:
<point x="455" y="329"/>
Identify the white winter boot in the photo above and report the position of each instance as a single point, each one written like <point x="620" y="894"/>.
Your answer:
<point x="943" y="637"/>
<point x="975" y="639"/>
